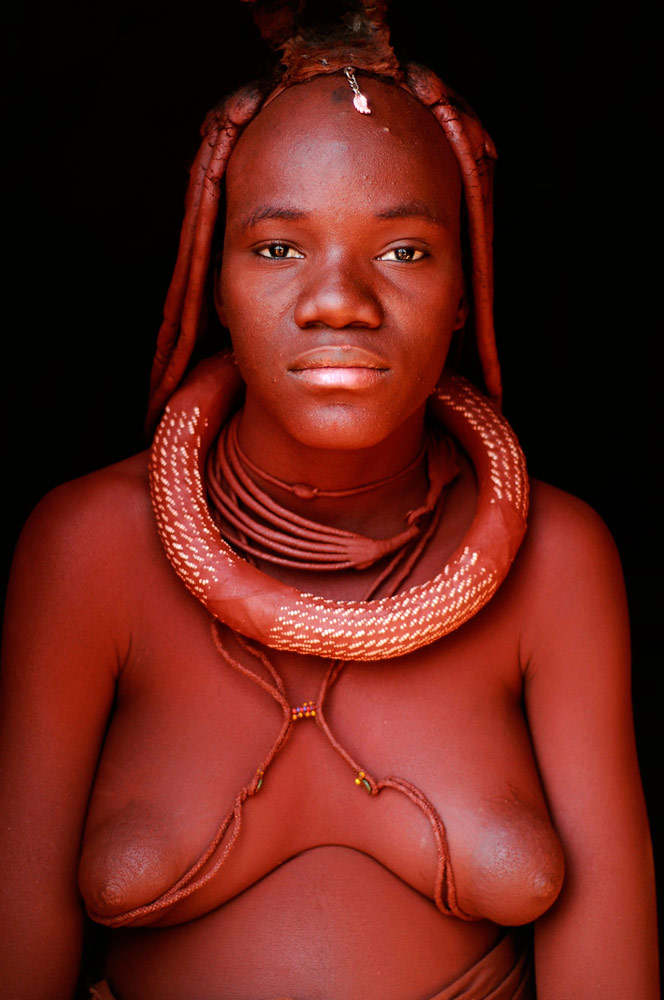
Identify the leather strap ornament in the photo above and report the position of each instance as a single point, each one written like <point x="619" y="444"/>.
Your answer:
<point x="277" y="615"/>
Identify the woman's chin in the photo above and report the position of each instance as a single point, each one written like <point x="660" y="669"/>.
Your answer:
<point x="342" y="427"/>
<point x="339" y="420"/>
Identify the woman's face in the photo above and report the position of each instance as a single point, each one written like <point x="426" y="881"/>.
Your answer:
<point x="341" y="281"/>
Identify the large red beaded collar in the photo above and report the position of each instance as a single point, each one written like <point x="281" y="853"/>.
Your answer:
<point x="277" y="615"/>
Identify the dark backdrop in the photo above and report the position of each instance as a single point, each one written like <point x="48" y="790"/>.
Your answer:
<point x="98" y="154"/>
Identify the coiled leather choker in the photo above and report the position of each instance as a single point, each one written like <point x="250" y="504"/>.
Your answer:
<point x="253" y="522"/>
<point x="277" y="615"/>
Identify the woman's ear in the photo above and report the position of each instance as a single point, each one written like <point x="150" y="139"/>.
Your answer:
<point x="462" y="313"/>
<point x="218" y="297"/>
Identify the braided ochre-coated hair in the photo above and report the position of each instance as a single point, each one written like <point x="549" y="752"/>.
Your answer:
<point x="359" y="38"/>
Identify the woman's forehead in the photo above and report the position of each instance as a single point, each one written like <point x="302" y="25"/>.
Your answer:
<point x="313" y="129"/>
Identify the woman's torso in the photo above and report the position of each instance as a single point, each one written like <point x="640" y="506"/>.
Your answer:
<point x="328" y="890"/>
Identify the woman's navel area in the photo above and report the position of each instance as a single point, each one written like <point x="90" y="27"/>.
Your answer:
<point x="330" y="922"/>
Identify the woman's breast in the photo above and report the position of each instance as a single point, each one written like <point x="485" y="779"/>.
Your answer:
<point x="446" y="720"/>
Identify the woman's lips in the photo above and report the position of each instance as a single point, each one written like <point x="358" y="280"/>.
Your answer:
<point x="339" y="366"/>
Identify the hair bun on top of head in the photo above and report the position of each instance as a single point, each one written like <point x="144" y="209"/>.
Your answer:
<point x="311" y="45"/>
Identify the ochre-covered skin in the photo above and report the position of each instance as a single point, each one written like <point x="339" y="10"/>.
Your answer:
<point x="126" y="735"/>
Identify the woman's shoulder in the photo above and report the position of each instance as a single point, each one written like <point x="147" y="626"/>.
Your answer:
<point x="123" y="481"/>
<point x="77" y="570"/>
<point x="107" y="500"/>
<point x="564" y="530"/>
<point x="80" y="531"/>
<point x="568" y="569"/>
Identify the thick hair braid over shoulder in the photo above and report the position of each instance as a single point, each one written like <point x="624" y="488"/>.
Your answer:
<point x="360" y="38"/>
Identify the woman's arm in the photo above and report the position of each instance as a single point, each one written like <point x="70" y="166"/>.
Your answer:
<point x="60" y="663"/>
<point x="599" y="939"/>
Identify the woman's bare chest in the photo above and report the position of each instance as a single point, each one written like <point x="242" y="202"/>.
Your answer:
<point x="191" y="732"/>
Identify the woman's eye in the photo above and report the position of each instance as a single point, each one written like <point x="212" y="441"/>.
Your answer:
<point x="406" y="254"/>
<point x="278" y="251"/>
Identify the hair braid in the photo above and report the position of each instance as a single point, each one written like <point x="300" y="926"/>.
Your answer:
<point x="475" y="153"/>
<point x="178" y="287"/>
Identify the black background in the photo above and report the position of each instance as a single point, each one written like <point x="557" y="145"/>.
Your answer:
<point x="104" y="103"/>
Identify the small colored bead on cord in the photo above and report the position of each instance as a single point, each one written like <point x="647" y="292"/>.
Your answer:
<point x="306" y="710"/>
<point x="362" y="780"/>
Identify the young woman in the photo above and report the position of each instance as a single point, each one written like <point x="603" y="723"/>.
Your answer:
<point x="266" y="794"/>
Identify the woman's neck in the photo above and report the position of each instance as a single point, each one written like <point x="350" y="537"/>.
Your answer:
<point x="400" y="479"/>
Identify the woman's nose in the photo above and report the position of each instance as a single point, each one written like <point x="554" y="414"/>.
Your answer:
<point x="337" y="296"/>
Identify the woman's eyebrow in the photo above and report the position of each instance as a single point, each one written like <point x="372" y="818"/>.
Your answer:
<point x="282" y="212"/>
<point x="414" y="210"/>
<point x="403" y="210"/>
